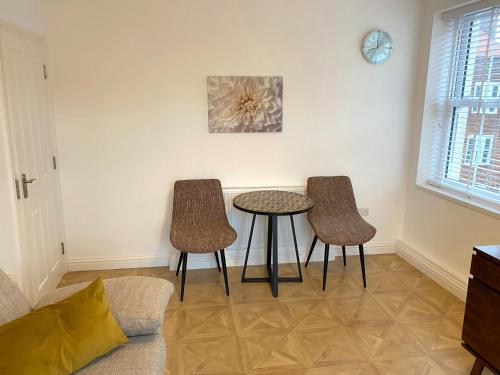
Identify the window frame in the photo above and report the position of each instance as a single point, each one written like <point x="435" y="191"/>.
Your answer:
<point x="439" y="183"/>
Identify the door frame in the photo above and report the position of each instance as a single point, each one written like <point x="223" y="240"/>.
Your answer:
<point x="7" y="133"/>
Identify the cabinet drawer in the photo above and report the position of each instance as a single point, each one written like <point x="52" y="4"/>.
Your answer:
<point x="485" y="271"/>
<point x="481" y="331"/>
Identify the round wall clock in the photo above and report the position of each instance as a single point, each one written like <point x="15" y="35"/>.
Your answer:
<point x="377" y="47"/>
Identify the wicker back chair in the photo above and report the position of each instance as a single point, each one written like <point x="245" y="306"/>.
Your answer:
<point x="199" y="223"/>
<point x="335" y="218"/>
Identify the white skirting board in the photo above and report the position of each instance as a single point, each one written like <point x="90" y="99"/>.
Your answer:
<point x="233" y="258"/>
<point x="447" y="279"/>
<point x="109" y="263"/>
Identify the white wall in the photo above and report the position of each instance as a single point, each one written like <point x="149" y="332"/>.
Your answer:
<point x="27" y="14"/>
<point x="441" y="230"/>
<point x="129" y="83"/>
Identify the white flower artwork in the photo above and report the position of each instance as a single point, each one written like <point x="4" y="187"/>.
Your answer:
<point x="245" y="104"/>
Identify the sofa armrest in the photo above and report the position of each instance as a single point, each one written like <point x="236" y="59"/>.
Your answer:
<point x="138" y="303"/>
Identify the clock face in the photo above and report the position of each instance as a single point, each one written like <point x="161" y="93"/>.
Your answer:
<point x="377" y="47"/>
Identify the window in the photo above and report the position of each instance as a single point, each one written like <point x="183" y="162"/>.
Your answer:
<point x="486" y="150"/>
<point x="494" y="91"/>
<point x="469" y="150"/>
<point x="478" y="88"/>
<point x="490" y="89"/>
<point x="460" y="143"/>
<point x="488" y="111"/>
<point x="478" y="149"/>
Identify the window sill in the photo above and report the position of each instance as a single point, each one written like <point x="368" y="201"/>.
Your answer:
<point x="455" y="198"/>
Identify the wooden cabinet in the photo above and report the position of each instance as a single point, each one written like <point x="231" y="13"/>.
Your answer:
<point x="481" y="330"/>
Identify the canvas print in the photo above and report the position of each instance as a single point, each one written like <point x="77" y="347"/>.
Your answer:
<point x="243" y="104"/>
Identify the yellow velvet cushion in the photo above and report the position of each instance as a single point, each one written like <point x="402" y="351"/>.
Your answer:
<point x="60" y="338"/>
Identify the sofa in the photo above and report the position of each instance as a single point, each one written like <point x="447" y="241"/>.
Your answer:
<point x="137" y="303"/>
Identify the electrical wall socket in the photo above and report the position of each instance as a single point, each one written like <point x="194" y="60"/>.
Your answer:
<point x="364" y="211"/>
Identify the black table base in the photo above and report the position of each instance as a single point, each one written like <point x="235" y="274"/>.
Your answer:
<point x="272" y="255"/>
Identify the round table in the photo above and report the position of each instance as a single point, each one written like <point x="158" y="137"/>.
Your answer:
<point x="272" y="203"/>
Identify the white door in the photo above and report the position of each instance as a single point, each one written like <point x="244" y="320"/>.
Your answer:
<point x="32" y="144"/>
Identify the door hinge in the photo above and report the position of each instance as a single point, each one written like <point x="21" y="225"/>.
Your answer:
<point x="18" y="190"/>
<point x="45" y="71"/>
<point x="54" y="162"/>
<point x="62" y="248"/>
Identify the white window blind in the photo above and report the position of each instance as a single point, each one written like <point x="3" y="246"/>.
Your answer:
<point x="460" y="144"/>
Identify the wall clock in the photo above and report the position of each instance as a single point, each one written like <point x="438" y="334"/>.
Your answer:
<point x="377" y="47"/>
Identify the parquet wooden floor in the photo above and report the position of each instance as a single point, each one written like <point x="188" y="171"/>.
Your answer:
<point x="403" y="323"/>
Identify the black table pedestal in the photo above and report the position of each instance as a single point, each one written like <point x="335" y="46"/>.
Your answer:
<point x="272" y="255"/>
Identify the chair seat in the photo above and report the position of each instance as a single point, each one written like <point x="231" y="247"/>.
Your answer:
<point x="342" y="230"/>
<point x="205" y="238"/>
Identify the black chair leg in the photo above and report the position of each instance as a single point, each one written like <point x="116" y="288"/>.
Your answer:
<point x="343" y="254"/>
<point x="325" y="264"/>
<point x="312" y="249"/>
<point x="362" y="260"/>
<point x="179" y="264"/>
<point x="184" y="270"/>
<point x="217" y="260"/>
<point x="224" y="270"/>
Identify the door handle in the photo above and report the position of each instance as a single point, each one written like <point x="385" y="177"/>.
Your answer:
<point x="25" y="183"/>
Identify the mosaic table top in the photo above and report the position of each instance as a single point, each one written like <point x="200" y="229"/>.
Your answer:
<point x="273" y="202"/>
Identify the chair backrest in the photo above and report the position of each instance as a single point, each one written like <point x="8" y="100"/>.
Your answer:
<point x="197" y="202"/>
<point x="332" y="195"/>
<point x="13" y="303"/>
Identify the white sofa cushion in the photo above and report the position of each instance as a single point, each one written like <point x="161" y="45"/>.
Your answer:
<point x="13" y="304"/>
<point x="143" y="355"/>
<point x="138" y="303"/>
